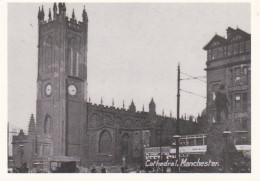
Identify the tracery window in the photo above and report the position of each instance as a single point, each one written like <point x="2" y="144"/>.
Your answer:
<point x="73" y="57"/>
<point x="48" y="45"/>
<point x="105" y="143"/>
<point x="94" y="121"/>
<point x="47" y="125"/>
<point x="125" y="145"/>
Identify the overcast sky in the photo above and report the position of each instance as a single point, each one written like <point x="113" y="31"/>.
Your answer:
<point x="133" y="52"/>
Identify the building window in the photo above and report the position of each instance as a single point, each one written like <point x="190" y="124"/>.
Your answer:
<point x="245" y="74"/>
<point x="245" y="70"/>
<point x="209" y="55"/>
<point x="220" y="52"/>
<point x="231" y="76"/>
<point x="247" y="47"/>
<point x="214" y="54"/>
<point x="125" y="145"/>
<point x="237" y="76"/>
<point x="231" y="101"/>
<point x="237" y="102"/>
<point x="241" y="47"/>
<point x="230" y="50"/>
<point x="215" y="88"/>
<point x="105" y="143"/>
<point x="225" y="51"/>
<point x="245" y="101"/>
<point x="236" y="48"/>
<point x="244" y="124"/>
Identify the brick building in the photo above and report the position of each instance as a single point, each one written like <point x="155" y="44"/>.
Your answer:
<point x="229" y="78"/>
<point x="66" y="124"/>
<point x="228" y="111"/>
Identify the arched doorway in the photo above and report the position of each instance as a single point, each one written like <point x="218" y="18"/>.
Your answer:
<point x="125" y="145"/>
<point x="105" y="143"/>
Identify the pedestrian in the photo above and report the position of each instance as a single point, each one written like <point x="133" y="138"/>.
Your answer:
<point x="93" y="169"/>
<point x="24" y="168"/>
<point x="122" y="170"/>
<point x="126" y="169"/>
<point x="103" y="169"/>
<point x="138" y="169"/>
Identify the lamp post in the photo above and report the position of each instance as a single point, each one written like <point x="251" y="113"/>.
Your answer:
<point x="226" y="135"/>
<point x="177" y="138"/>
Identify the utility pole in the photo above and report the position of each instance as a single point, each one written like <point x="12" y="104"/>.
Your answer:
<point x="8" y="140"/>
<point x="178" y="119"/>
<point x="160" y="140"/>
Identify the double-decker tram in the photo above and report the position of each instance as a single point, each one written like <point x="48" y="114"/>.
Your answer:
<point x="191" y="144"/>
<point x="191" y="148"/>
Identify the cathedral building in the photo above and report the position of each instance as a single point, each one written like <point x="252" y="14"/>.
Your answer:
<point x="66" y="123"/>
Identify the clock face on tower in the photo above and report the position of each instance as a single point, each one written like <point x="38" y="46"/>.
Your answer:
<point x="72" y="90"/>
<point x="48" y="89"/>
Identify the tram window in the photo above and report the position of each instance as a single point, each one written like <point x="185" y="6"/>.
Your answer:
<point x="191" y="142"/>
<point x="199" y="141"/>
<point x="183" y="142"/>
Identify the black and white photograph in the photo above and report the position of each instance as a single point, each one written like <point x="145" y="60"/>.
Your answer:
<point x="128" y="87"/>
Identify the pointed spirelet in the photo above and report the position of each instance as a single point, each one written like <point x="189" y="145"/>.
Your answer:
<point x="64" y="7"/>
<point x="113" y="103"/>
<point x="31" y="124"/>
<point x="73" y="14"/>
<point x="132" y="103"/>
<point x="123" y="104"/>
<point x="54" y="7"/>
<point x="84" y="15"/>
<point x="43" y="14"/>
<point x="60" y="8"/>
<point x="101" y="100"/>
<point x="39" y="13"/>
<point x="54" y="10"/>
<point x="49" y="13"/>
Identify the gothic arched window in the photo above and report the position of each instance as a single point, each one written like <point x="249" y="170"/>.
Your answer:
<point x="105" y="143"/>
<point x="94" y="121"/>
<point x="125" y="145"/>
<point x="108" y="120"/>
<point x="118" y="121"/>
<point x="73" y="57"/>
<point x="47" y="125"/>
<point x="128" y="122"/>
<point x="48" y="53"/>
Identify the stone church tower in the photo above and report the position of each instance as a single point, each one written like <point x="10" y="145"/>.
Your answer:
<point x="61" y="82"/>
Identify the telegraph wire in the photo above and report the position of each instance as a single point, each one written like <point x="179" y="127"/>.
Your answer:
<point x="192" y="77"/>
<point x="193" y="93"/>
